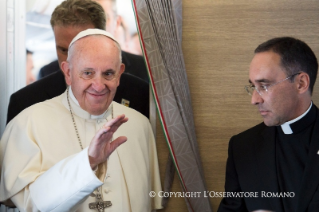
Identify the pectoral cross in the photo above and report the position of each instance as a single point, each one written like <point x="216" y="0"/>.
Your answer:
<point x="99" y="204"/>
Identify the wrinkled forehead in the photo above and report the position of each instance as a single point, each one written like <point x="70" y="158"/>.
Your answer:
<point x="266" y="66"/>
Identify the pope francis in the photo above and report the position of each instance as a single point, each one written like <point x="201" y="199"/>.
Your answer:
<point x="78" y="151"/>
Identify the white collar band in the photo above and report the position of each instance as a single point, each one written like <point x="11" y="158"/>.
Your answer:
<point x="286" y="126"/>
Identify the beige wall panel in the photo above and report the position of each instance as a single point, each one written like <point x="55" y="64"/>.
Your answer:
<point x="219" y="38"/>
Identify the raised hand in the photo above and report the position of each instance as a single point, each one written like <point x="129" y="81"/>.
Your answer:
<point x="101" y="146"/>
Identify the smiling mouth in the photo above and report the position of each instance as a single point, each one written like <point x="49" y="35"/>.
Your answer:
<point x="98" y="94"/>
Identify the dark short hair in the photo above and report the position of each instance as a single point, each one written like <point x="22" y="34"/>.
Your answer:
<point x="28" y="51"/>
<point x="79" y="12"/>
<point x="296" y="56"/>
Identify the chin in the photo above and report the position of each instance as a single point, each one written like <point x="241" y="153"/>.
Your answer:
<point x="97" y="109"/>
<point x="268" y="122"/>
<point x="271" y="123"/>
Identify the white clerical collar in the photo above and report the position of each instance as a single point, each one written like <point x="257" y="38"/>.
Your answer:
<point x="77" y="103"/>
<point x="73" y="97"/>
<point x="286" y="126"/>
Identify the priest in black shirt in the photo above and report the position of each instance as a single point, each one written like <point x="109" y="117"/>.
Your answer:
<point x="277" y="160"/>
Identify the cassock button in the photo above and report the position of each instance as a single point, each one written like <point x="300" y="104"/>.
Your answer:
<point x="106" y="191"/>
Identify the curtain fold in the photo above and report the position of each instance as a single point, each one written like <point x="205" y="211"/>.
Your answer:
<point x="159" y="23"/>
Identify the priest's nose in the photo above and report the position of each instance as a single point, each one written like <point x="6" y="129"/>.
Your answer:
<point x="256" y="98"/>
<point x="98" y="83"/>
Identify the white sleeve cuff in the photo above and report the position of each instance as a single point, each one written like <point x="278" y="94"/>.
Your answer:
<point x="64" y="185"/>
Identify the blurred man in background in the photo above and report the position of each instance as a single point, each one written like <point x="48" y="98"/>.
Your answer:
<point x="29" y="67"/>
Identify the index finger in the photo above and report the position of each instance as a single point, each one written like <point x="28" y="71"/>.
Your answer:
<point x="117" y="121"/>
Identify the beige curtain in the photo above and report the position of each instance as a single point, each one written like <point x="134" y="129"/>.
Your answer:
<point x="159" y="25"/>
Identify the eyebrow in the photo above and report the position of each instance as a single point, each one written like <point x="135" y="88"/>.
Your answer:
<point x="260" y="81"/>
<point x="108" y="70"/>
<point x="60" y="47"/>
<point x="87" y="69"/>
<point x="92" y="69"/>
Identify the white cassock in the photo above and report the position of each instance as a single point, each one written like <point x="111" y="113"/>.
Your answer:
<point x="44" y="168"/>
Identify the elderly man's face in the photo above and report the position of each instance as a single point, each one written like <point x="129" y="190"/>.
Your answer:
<point x="279" y="104"/>
<point x="94" y="60"/>
<point x="63" y="37"/>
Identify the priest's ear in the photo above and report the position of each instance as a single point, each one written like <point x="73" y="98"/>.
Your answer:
<point x="65" y="66"/>
<point x="303" y="82"/>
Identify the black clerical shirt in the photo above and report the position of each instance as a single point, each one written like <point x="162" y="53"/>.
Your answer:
<point x="292" y="155"/>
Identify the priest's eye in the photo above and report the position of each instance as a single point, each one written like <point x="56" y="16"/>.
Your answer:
<point x="87" y="74"/>
<point x="63" y="51"/>
<point x="109" y="75"/>
<point x="263" y="87"/>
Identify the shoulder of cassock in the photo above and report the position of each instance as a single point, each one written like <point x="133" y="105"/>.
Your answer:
<point x="49" y="118"/>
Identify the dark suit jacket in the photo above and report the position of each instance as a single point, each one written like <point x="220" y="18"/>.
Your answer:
<point x="131" y="88"/>
<point x="251" y="167"/>
<point x="134" y="65"/>
<point x="49" y="69"/>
